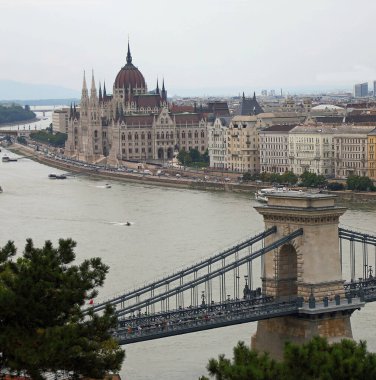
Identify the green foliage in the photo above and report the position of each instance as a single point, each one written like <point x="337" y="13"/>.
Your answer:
<point x="355" y="182"/>
<point x="193" y="157"/>
<point x="42" y="327"/>
<point x="335" y="186"/>
<point x="312" y="180"/>
<point x="289" y="177"/>
<point x="21" y="140"/>
<point x="316" y="359"/>
<point x="247" y="177"/>
<point x="47" y="137"/>
<point x="15" y="113"/>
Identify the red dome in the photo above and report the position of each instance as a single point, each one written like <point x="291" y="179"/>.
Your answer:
<point x="129" y="75"/>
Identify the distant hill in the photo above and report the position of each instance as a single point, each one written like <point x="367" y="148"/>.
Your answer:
<point x="11" y="90"/>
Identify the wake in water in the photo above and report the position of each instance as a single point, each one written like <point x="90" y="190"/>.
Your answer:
<point x="121" y="223"/>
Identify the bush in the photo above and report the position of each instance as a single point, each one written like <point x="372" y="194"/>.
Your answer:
<point x="358" y="183"/>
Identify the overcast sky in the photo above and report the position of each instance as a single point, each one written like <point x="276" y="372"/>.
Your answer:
<point x="198" y="46"/>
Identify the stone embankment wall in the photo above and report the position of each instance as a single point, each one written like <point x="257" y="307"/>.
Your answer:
<point x="343" y="196"/>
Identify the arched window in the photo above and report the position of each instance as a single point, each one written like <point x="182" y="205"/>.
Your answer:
<point x="96" y="134"/>
<point x="158" y="137"/>
<point x="122" y="136"/>
<point x="129" y="136"/>
<point x="196" y="135"/>
<point x="136" y="136"/>
<point x="162" y="120"/>
<point x="171" y="135"/>
<point x="162" y="136"/>
<point x="167" y="136"/>
<point x="183" y="134"/>
<point x="142" y="136"/>
<point x="189" y="134"/>
<point x="149" y="136"/>
<point x="202" y="134"/>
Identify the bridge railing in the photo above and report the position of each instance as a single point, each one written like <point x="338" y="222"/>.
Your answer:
<point x="358" y="262"/>
<point x="165" y="296"/>
<point x="150" y="289"/>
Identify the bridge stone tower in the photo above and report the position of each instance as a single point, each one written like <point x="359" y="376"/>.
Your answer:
<point x="308" y="267"/>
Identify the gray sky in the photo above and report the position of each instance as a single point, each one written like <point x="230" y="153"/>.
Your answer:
<point x="198" y="46"/>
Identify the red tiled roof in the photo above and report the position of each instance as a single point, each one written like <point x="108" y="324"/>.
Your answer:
<point x="148" y="100"/>
<point x="139" y="120"/>
<point x="187" y="118"/>
<point x="178" y="109"/>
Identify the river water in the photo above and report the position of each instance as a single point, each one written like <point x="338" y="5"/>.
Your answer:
<point x="171" y="228"/>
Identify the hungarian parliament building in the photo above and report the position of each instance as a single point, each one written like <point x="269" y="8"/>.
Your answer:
<point x="134" y="123"/>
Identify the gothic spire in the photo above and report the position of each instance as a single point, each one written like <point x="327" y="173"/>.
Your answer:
<point x="100" y="91"/>
<point x="104" y="89"/>
<point x="157" y="90"/>
<point x="243" y="95"/>
<point x="93" y="90"/>
<point x="84" y="87"/>
<point x="164" y="92"/>
<point x="129" y="57"/>
<point x="71" y="111"/>
<point x="254" y="95"/>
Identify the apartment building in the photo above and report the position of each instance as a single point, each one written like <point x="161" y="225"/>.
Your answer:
<point x="217" y="143"/>
<point x="372" y="154"/>
<point x="350" y="150"/>
<point x="274" y="148"/>
<point x="311" y="149"/>
<point x="243" y="145"/>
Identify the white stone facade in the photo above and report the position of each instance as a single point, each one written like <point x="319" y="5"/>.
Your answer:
<point x="217" y="143"/>
<point x="311" y="149"/>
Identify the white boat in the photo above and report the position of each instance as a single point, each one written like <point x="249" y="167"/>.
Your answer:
<point x="262" y="194"/>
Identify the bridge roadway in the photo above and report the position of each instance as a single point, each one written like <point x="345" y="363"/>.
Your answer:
<point x="205" y="317"/>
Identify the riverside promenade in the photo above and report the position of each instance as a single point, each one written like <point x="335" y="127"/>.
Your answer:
<point x="186" y="180"/>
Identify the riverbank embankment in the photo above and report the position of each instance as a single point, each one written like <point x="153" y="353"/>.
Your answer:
<point x="343" y="196"/>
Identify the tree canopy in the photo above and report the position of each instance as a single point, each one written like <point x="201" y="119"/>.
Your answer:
<point x="355" y="182"/>
<point x="193" y="156"/>
<point x="315" y="360"/>
<point x="15" y="113"/>
<point x="312" y="180"/>
<point x="42" y="326"/>
<point x="48" y="137"/>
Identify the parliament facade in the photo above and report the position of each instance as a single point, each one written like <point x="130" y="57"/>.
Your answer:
<point x="132" y="123"/>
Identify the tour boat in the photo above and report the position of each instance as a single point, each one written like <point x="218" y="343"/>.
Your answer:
<point x="262" y="194"/>
<point x="5" y="158"/>
<point x="57" y="176"/>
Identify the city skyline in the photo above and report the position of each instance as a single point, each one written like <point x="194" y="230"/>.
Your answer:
<point x="208" y="48"/>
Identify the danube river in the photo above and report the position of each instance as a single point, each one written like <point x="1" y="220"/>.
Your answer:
<point x="170" y="229"/>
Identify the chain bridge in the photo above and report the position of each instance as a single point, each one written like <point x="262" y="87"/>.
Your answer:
<point x="303" y="275"/>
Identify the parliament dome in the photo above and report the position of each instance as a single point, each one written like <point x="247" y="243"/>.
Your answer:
<point x="130" y="75"/>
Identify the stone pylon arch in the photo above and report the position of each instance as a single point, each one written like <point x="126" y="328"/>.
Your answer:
<point x="308" y="267"/>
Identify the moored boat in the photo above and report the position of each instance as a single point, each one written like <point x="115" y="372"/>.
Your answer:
<point x="6" y="158"/>
<point x="57" y="176"/>
<point x="262" y="194"/>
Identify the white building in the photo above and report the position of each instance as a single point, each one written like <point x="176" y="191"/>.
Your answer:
<point x="311" y="149"/>
<point x="274" y="149"/>
<point x="350" y="147"/>
<point x="217" y="144"/>
<point x="60" y="120"/>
